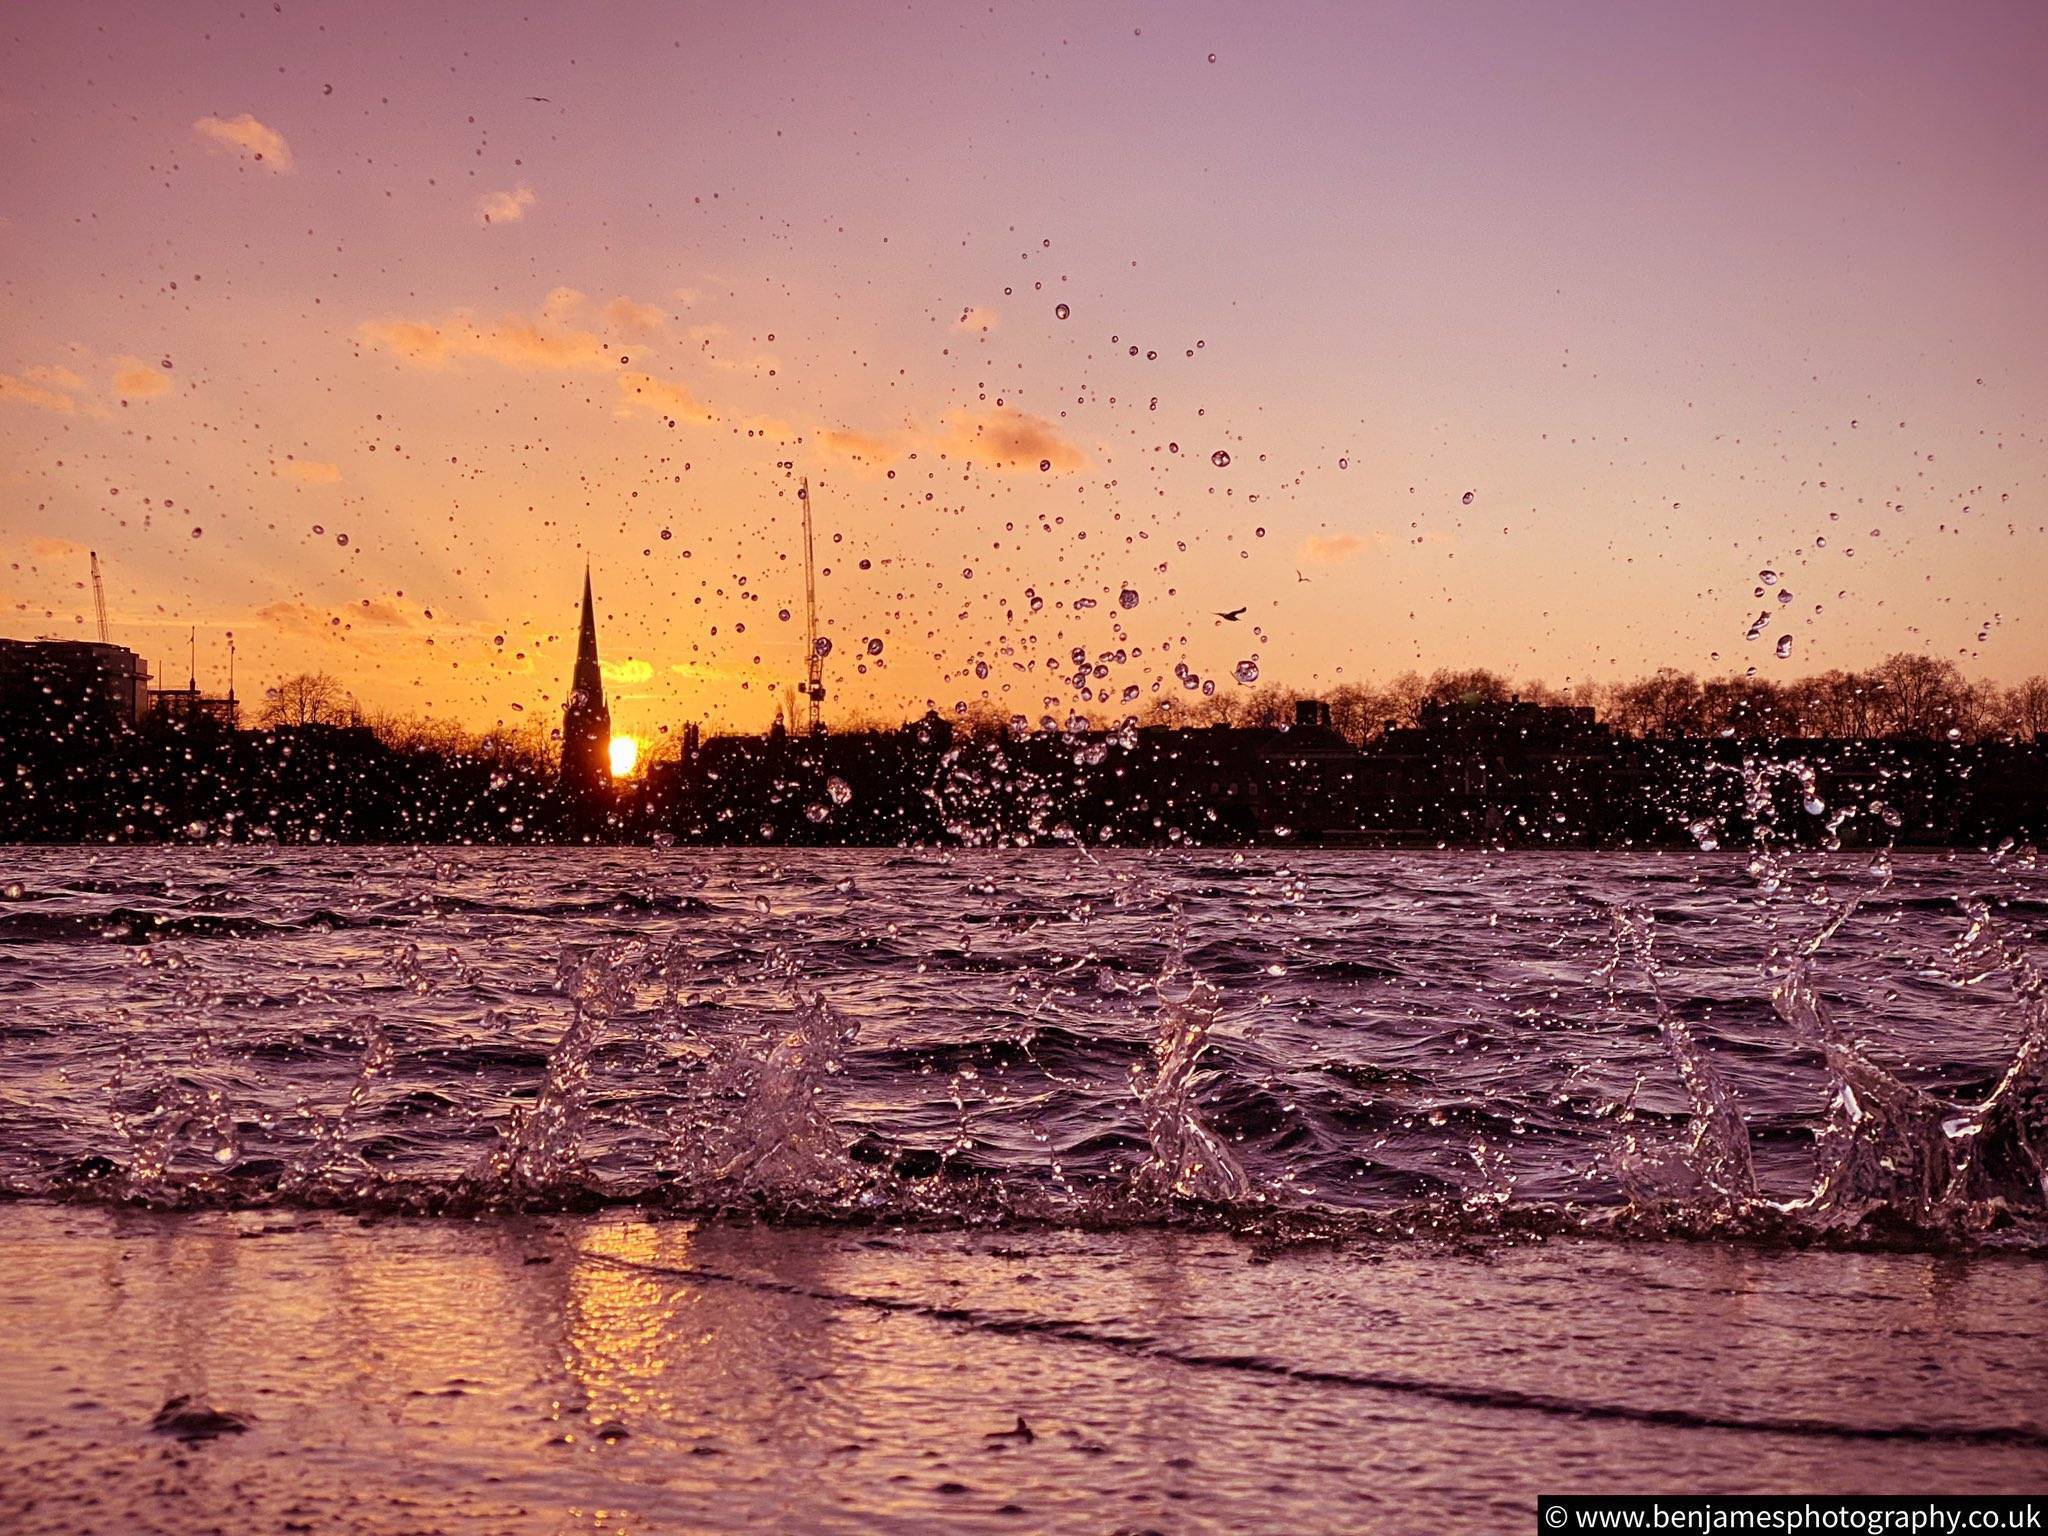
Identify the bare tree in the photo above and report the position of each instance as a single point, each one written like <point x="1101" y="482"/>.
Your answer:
<point x="308" y="698"/>
<point x="1921" y="697"/>
<point x="1665" y="705"/>
<point x="2026" y="709"/>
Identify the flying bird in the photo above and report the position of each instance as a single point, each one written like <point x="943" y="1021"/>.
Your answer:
<point x="1231" y="617"/>
<point x="538" y="98"/>
<point x="1299" y="577"/>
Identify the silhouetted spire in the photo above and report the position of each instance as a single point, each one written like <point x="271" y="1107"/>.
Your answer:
<point x="589" y="678"/>
<point x="586" y="722"/>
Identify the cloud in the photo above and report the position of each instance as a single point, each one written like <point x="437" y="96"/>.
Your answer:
<point x="861" y="447"/>
<point x="55" y="550"/>
<point x="24" y="392"/>
<point x="549" y="340"/>
<point x="135" y="380"/>
<point x="640" y="392"/>
<point x="312" y="471"/>
<point x="246" y="136"/>
<point x="1332" y="548"/>
<point x="1006" y="438"/>
<point x="628" y="671"/>
<point x="634" y="318"/>
<point x="369" y="613"/>
<point x="975" y="318"/>
<point x="1002" y="438"/>
<point x="55" y="375"/>
<point x="505" y="207"/>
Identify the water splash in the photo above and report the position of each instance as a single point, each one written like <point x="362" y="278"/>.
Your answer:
<point x="331" y="1169"/>
<point x="538" y="1153"/>
<point x="777" y="1142"/>
<point x="1717" y="1151"/>
<point x="1188" y="1161"/>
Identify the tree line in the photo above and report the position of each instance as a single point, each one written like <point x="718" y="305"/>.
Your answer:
<point x="1905" y="697"/>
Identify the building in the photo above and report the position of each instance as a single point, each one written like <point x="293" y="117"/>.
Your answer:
<point x="586" y="720"/>
<point x="188" y="708"/>
<point x="73" y="687"/>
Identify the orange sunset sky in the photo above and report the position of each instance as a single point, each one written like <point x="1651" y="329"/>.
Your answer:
<point x="1431" y="335"/>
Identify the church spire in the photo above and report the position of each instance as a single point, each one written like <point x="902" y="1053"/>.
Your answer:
<point x="586" y="722"/>
<point x="589" y="678"/>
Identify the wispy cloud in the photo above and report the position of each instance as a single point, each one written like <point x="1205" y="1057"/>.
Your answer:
<point x="1332" y="548"/>
<point x="380" y="614"/>
<point x="628" y="671"/>
<point x="549" y="340"/>
<point x="505" y="207"/>
<point x="136" y="380"/>
<point x="311" y="471"/>
<point x="632" y="318"/>
<point x="1001" y="438"/>
<point x="245" y="136"/>
<point x="55" y="375"/>
<point x="643" y="392"/>
<point x="860" y="447"/>
<point x="1007" y="438"/>
<point x="27" y="392"/>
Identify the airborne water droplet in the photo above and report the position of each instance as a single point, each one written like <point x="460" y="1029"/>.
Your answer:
<point x="1247" y="671"/>
<point x="1127" y="598"/>
<point x="1467" y="497"/>
<point x="1784" y="646"/>
<point x="1060" y="311"/>
<point x="1220" y="459"/>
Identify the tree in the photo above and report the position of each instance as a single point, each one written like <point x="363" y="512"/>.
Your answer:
<point x="2026" y="709"/>
<point x="309" y="698"/>
<point x="1920" y="697"/>
<point x="1665" y="705"/>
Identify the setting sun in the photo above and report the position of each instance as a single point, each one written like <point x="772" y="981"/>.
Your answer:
<point x="625" y="754"/>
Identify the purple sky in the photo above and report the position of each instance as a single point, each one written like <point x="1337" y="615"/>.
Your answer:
<point x="1675" y="295"/>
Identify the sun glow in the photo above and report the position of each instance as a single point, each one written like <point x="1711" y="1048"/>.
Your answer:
<point x="625" y="754"/>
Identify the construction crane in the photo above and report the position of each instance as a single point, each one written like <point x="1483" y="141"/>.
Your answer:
<point x="814" y="658"/>
<point x="99" y="597"/>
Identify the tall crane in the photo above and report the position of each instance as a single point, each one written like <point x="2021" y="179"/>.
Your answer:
<point x="99" y="598"/>
<point x="814" y="658"/>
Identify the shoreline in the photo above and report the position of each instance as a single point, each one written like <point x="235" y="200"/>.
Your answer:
<point x="524" y="1373"/>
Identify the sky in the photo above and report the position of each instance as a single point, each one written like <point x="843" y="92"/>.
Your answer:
<point x="1436" y="335"/>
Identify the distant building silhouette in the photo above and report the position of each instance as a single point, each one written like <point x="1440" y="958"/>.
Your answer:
<point x="586" y="721"/>
<point x="73" y="687"/>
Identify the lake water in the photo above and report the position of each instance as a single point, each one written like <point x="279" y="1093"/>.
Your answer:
<point x="1273" y="1190"/>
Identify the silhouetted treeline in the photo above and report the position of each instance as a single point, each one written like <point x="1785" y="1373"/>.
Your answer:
<point x="1903" y="698"/>
<point x="1913" y="753"/>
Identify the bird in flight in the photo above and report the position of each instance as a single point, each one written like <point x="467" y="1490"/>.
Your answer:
<point x="539" y="98"/>
<point x="1231" y="617"/>
<point x="1299" y="577"/>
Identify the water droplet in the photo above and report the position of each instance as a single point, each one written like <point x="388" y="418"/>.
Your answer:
<point x="1060" y="311"/>
<point x="1784" y="646"/>
<point x="196" y="532"/>
<point x="1767" y="576"/>
<point x="838" y="789"/>
<point x="1220" y="459"/>
<point x="1467" y="497"/>
<point x="875" y="647"/>
<point x="1247" y="671"/>
<point x="1127" y="598"/>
